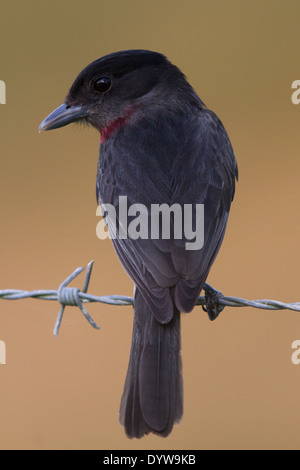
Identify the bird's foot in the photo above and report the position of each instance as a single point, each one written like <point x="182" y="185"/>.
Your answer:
<point x="212" y="302"/>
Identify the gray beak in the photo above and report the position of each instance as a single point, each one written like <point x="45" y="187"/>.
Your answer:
<point x="62" y="116"/>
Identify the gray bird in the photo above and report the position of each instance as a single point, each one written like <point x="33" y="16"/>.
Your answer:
<point x="159" y="145"/>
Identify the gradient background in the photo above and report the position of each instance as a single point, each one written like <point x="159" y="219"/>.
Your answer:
<point x="241" y="388"/>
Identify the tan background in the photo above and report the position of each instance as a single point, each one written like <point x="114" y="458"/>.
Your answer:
<point x="241" y="388"/>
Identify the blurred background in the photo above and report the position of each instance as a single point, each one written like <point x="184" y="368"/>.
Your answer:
<point x="241" y="388"/>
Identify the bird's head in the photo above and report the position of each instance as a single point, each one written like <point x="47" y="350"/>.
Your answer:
<point x="115" y="87"/>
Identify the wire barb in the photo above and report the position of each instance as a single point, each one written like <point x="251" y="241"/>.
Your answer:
<point x="70" y="296"/>
<point x="73" y="296"/>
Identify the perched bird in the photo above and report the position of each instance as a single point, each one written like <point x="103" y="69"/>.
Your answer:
<point x="159" y="145"/>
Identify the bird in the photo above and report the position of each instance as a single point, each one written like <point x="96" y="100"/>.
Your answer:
<point x="159" y="144"/>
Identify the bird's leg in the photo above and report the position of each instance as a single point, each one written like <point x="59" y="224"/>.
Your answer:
<point x="212" y="305"/>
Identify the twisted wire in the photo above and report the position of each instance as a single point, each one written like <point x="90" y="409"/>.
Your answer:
<point x="73" y="296"/>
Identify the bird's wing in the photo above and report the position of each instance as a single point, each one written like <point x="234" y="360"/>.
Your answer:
<point x="213" y="184"/>
<point x="198" y="168"/>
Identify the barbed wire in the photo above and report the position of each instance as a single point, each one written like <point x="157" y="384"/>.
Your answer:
<point x="73" y="296"/>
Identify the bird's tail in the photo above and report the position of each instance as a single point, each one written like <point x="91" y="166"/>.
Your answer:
<point x="152" y="400"/>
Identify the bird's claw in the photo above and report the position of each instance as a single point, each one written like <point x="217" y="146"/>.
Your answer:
<point x="212" y="307"/>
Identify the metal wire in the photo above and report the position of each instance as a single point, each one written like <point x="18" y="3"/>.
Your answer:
<point x="73" y="296"/>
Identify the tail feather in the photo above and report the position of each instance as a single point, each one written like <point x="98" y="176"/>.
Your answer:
<point x="152" y="400"/>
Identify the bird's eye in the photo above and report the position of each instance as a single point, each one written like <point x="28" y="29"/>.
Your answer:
<point x="102" y="84"/>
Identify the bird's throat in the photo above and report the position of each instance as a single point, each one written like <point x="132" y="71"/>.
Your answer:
<point x="112" y="127"/>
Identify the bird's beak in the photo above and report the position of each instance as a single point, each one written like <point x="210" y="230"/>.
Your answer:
<point x="62" y="116"/>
